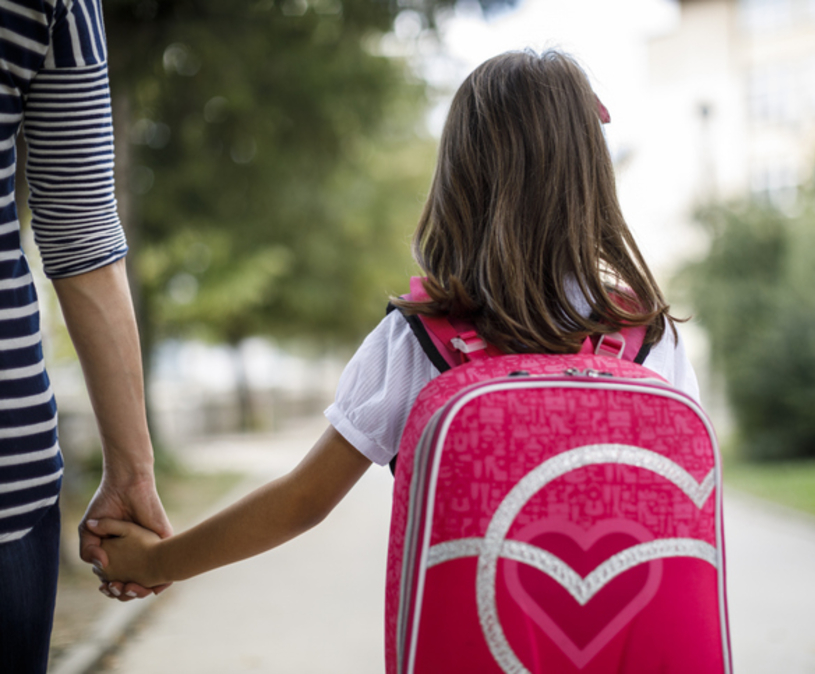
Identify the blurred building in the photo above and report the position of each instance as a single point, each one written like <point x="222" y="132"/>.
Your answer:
<point x="729" y="112"/>
<point x="738" y="80"/>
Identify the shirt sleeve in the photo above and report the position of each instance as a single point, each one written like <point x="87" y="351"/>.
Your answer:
<point x="669" y="359"/>
<point x="378" y="388"/>
<point x="69" y="132"/>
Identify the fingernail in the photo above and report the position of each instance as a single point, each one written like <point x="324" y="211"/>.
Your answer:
<point x="105" y="592"/>
<point x="131" y="594"/>
<point x="116" y="592"/>
<point x="98" y="564"/>
<point x="93" y="523"/>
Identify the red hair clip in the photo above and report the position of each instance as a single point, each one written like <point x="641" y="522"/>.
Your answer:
<point x="602" y="110"/>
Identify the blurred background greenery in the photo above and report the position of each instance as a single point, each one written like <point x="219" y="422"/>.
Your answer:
<point x="754" y="293"/>
<point x="272" y="167"/>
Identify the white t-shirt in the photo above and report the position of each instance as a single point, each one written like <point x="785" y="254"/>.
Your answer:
<point x="379" y="385"/>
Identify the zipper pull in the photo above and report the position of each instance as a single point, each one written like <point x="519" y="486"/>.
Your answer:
<point x="588" y="372"/>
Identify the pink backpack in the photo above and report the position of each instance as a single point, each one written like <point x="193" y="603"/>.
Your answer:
<point x="557" y="514"/>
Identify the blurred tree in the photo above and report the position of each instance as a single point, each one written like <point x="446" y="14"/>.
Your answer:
<point x="273" y="168"/>
<point x="755" y="295"/>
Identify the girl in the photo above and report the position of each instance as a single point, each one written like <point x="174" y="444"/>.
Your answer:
<point x="521" y="235"/>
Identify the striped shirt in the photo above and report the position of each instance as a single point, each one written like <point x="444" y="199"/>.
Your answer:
<point x="53" y="84"/>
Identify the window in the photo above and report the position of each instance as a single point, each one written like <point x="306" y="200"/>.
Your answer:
<point x="776" y="181"/>
<point x="773" y="94"/>
<point x="808" y="86"/>
<point x="765" y="15"/>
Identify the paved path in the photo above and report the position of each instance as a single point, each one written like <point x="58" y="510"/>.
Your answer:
<point x="771" y="581"/>
<point x="314" y="606"/>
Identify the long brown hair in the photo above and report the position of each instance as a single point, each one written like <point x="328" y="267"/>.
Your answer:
<point x="523" y="204"/>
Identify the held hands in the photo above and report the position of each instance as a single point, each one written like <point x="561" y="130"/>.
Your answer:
<point x="130" y="553"/>
<point x="130" y="500"/>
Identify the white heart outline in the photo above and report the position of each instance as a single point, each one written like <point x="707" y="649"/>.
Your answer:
<point x="491" y="547"/>
<point x="582" y="589"/>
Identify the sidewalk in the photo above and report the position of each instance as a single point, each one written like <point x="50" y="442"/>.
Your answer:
<point x="771" y="587"/>
<point x="312" y="606"/>
<point x="315" y="605"/>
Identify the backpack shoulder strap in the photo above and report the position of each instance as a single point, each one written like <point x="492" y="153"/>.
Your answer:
<point x="449" y="343"/>
<point x="426" y="341"/>
<point x="627" y="344"/>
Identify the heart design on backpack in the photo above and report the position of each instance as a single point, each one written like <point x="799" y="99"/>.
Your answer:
<point x="611" y="550"/>
<point x="581" y="625"/>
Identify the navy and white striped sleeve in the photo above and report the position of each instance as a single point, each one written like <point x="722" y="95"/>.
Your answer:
<point x="69" y="132"/>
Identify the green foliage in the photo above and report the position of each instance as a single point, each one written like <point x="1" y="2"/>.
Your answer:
<point x="789" y="482"/>
<point x="755" y="295"/>
<point x="278" y="171"/>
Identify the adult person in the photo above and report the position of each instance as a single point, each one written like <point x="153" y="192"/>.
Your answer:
<point x="53" y="83"/>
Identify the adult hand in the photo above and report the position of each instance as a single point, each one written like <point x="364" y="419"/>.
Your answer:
<point x="133" y="499"/>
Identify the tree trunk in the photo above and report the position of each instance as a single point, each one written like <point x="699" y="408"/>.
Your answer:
<point x="246" y="414"/>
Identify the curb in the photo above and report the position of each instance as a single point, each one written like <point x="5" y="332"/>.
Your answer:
<point x="104" y="637"/>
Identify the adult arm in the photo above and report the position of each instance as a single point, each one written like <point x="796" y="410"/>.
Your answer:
<point x="269" y="516"/>
<point x="99" y="315"/>
<point x="68" y="129"/>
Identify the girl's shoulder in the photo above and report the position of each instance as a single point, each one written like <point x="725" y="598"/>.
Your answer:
<point x="669" y="359"/>
<point x="391" y="339"/>
<point x="378" y="388"/>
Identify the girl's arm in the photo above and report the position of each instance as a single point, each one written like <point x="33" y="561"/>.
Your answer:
<point x="269" y="516"/>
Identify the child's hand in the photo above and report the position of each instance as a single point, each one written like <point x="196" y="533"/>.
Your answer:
<point x="131" y="553"/>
